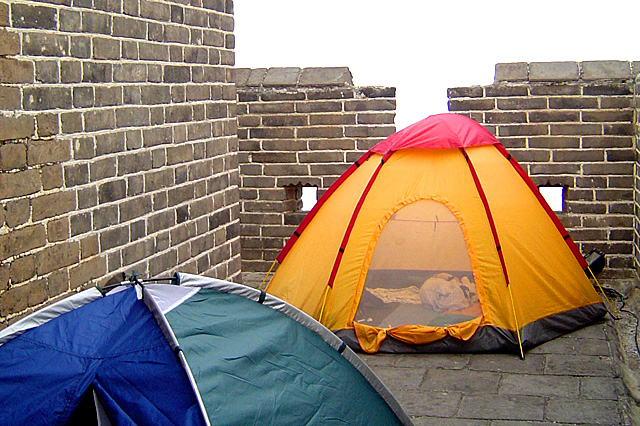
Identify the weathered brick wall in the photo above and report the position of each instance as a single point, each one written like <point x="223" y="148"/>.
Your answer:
<point x="570" y="124"/>
<point x="636" y="192"/>
<point x="298" y="127"/>
<point x="117" y="144"/>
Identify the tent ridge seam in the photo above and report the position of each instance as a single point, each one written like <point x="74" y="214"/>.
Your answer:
<point x="62" y="351"/>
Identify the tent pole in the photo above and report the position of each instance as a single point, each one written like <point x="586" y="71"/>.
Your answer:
<point x="554" y="218"/>
<point x="603" y="294"/>
<point x="296" y="234"/>
<point x="324" y="302"/>
<point x="265" y="277"/>
<point x="168" y="333"/>
<point x="515" y="317"/>
<point x="496" y="239"/>
<point x="354" y="216"/>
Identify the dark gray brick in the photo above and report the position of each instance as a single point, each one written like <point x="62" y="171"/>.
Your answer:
<point x="176" y="74"/>
<point x="83" y="96"/>
<point x="130" y="72"/>
<point x="177" y="14"/>
<point x="106" y="48"/>
<point x="108" y="95"/>
<point x="70" y="20"/>
<point x="45" y="44"/>
<point x="97" y="23"/>
<point x="47" y="72"/>
<point x="70" y="71"/>
<point x="46" y="97"/>
<point x="80" y="46"/>
<point x="101" y="119"/>
<point x="95" y="72"/>
<point x="108" y="5"/>
<point x="105" y="216"/>
<point x="28" y="16"/>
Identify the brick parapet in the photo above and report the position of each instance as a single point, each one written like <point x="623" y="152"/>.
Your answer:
<point x="293" y="76"/>
<point x="570" y="124"/>
<point x="117" y="145"/>
<point x="298" y="127"/>
<point x="566" y="71"/>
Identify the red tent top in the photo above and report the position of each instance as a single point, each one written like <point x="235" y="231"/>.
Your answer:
<point x="438" y="131"/>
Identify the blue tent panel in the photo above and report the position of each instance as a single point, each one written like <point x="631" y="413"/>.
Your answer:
<point x="113" y="346"/>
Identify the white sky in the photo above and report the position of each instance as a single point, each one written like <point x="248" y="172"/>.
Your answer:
<point x="423" y="47"/>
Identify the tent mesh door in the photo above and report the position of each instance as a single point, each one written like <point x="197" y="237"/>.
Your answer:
<point x="420" y="272"/>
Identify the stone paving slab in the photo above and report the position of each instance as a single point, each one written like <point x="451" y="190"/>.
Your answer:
<point x="583" y="411"/>
<point x="508" y="363"/>
<point x="449" y="361"/>
<point x="540" y="385"/>
<point x="505" y="407"/>
<point x="464" y="381"/>
<point x="572" y="380"/>
<point x="600" y="388"/>
<point x="425" y="403"/>
<point x="579" y="365"/>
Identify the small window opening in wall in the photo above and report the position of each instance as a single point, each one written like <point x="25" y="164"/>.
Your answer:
<point x="554" y="195"/>
<point x="309" y="197"/>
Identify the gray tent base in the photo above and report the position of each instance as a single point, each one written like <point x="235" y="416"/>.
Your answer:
<point x="491" y="338"/>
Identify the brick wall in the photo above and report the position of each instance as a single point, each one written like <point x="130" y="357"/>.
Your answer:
<point x="117" y="144"/>
<point x="298" y="127"/>
<point x="570" y="124"/>
<point x="636" y="227"/>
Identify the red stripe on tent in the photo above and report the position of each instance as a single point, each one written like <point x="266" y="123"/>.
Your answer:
<point x="487" y="209"/>
<point x="352" y="222"/>
<point x="565" y="235"/>
<point x="296" y="234"/>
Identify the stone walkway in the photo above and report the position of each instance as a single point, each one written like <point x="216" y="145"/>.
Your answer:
<point x="571" y="380"/>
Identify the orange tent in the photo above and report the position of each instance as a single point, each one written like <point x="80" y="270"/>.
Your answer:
<point x="436" y="240"/>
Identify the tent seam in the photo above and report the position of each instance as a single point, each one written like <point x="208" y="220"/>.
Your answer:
<point x="44" y="345"/>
